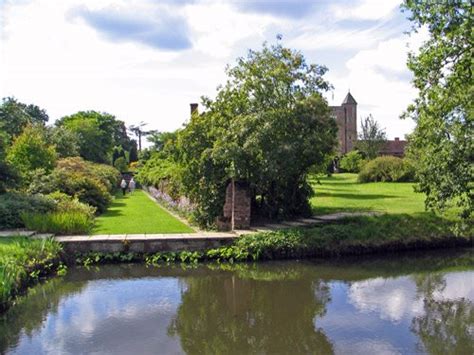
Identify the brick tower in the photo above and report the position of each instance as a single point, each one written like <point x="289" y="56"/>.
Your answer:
<point x="346" y="119"/>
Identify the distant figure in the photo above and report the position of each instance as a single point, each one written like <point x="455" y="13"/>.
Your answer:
<point x="123" y="185"/>
<point x="131" y="185"/>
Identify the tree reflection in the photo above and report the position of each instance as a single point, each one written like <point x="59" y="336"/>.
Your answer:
<point x="232" y="314"/>
<point x="30" y="312"/>
<point x="446" y="325"/>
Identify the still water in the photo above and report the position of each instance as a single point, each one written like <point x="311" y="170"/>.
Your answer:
<point x="410" y="303"/>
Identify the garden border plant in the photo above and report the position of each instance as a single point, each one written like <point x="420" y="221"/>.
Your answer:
<point x="23" y="263"/>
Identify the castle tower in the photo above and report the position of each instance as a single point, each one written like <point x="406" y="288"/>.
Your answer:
<point x="346" y="119"/>
<point x="350" y="112"/>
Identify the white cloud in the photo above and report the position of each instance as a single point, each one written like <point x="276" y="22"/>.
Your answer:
<point x="380" y="82"/>
<point x="365" y="9"/>
<point x="391" y="299"/>
<point x="64" y="65"/>
<point x="396" y="299"/>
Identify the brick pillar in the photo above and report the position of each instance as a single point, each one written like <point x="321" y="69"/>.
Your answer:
<point x="237" y="205"/>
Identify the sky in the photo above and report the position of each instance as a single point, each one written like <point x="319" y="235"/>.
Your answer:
<point x="145" y="60"/>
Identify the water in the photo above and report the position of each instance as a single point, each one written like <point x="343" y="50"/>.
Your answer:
<point x="387" y="305"/>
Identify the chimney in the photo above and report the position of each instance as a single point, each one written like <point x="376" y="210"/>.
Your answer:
<point x="397" y="139"/>
<point x="194" y="108"/>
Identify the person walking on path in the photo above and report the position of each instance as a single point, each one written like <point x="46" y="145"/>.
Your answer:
<point x="123" y="185"/>
<point x="131" y="185"/>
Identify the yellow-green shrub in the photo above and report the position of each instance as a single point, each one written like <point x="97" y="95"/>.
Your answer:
<point x="387" y="168"/>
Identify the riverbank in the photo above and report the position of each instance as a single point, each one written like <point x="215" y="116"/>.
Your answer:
<point x="23" y="261"/>
<point x="351" y="236"/>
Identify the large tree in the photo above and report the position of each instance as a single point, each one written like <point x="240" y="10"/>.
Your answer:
<point x="442" y="142"/>
<point x="372" y="138"/>
<point x="98" y="133"/>
<point x="267" y="126"/>
<point x="30" y="151"/>
<point x="15" y="116"/>
<point x="65" y="141"/>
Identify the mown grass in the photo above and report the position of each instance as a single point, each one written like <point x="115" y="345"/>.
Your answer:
<point x="22" y="262"/>
<point x="137" y="214"/>
<point x="342" y="193"/>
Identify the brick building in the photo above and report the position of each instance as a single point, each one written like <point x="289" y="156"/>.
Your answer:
<point x="346" y="119"/>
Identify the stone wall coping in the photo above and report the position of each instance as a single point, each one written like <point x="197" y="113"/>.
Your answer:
<point x="144" y="237"/>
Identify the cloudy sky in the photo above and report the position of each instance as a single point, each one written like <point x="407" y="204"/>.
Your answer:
<point x="146" y="60"/>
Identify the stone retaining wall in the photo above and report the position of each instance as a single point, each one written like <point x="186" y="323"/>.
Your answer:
<point x="143" y="244"/>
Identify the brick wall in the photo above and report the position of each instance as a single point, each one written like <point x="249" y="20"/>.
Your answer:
<point x="237" y="207"/>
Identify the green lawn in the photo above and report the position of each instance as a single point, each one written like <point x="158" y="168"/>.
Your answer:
<point x="137" y="214"/>
<point x="342" y="192"/>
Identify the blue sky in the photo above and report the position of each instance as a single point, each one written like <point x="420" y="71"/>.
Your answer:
<point x="146" y="60"/>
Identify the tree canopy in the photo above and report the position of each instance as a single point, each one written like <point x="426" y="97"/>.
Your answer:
<point x="267" y="126"/>
<point x="98" y="133"/>
<point x="30" y="151"/>
<point x="15" y="116"/>
<point x="371" y="138"/>
<point x="442" y="142"/>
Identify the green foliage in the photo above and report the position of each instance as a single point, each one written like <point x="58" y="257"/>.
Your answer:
<point x="267" y="126"/>
<point x="121" y="164"/>
<point x="15" y="116"/>
<point x="71" y="222"/>
<point x="31" y="151"/>
<point x="22" y="261"/>
<point x="133" y="154"/>
<point x="98" y="133"/>
<point x="161" y="139"/>
<point x="90" y="183"/>
<point x="66" y="203"/>
<point x="162" y="172"/>
<point x="8" y="174"/>
<point x="65" y="141"/>
<point x="13" y="205"/>
<point x="442" y="142"/>
<point x="387" y="168"/>
<point x="352" y="162"/>
<point x="372" y="138"/>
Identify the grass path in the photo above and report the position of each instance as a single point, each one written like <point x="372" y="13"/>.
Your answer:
<point x="342" y="192"/>
<point x="137" y="214"/>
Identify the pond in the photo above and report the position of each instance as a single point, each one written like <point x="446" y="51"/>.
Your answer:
<point x="408" y="303"/>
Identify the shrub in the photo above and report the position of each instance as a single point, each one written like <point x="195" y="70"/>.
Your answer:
<point x="30" y="150"/>
<point x="163" y="173"/>
<point x="121" y="164"/>
<point x="90" y="183"/>
<point x="352" y="162"/>
<point x="387" y="168"/>
<point x="106" y="174"/>
<point x="85" y="188"/>
<point x="58" y="222"/>
<point x="13" y="205"/>
<point x="66" y="203"/>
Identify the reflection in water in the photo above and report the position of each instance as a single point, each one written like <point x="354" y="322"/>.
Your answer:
<point x="366" y="305"/>
<point x="226" y="314"/>
<point x="446" y="325"/>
